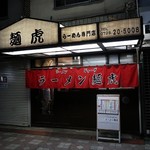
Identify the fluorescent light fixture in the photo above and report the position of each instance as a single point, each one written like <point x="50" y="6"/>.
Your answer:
<point x="117" y="48"/>
<point x="120" y="43"/>
<point x="58" y="53"/>
<point x="61" y="26"/>
<point x="87" y="50"/>
<point x="34" y="51"/>
<point x="84" y="46"/>
<point x="76" y="48"/>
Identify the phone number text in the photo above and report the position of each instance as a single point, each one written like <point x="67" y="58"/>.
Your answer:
<point x="119" y="32"/>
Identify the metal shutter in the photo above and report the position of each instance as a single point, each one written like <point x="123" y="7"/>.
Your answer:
<point x="14" y="98"/>
<point x="146" y="66"/>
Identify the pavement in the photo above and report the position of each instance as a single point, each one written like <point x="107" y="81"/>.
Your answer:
<point x="32" y="138"/>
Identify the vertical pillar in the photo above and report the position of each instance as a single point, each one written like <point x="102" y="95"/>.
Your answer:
<point x="139" y="91"/>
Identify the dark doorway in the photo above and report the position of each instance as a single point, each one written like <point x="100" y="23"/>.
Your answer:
<point x="76" y="108"/>
<point x="70" y="109"/>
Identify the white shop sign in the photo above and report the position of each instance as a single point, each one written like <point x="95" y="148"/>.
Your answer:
<point x="120" y="28"/>
<point x="79" y="33"/>
<point x="29" y="32"/>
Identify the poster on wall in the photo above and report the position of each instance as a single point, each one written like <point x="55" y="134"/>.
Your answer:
<point x="3" y="81"/>
<point x="108" y="113"/>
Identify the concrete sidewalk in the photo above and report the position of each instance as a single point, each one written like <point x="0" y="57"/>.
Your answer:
<point x="32" y="138"/>
<point x="16" y="141"/>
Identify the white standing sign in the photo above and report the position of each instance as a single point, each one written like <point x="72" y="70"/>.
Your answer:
<point x="108" y="113"/>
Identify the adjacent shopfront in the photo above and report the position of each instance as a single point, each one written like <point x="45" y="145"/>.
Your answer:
<point x="69" y="67"/>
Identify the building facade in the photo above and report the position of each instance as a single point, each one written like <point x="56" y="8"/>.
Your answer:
<point x="72" y="108"/>
<point x="144" y="12"/>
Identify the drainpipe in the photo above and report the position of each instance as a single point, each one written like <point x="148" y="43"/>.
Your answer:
<point x="137" y="8"/>
<point x="139" y="89"/>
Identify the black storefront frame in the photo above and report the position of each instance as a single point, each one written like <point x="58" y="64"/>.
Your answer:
<point x="114" y="91"/>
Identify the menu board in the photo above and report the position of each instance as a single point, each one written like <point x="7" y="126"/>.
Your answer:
<point x="108" y="112"/>
<point x="108" y="105"/>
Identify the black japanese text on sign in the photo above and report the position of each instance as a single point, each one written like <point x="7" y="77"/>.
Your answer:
<point x="29" y="32"/>
<point x="120" y="28"/>
<point x="79" y="33"/>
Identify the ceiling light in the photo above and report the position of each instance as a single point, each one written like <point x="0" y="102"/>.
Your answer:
<point x="58" y="53"/>
<point x="61" y="26"/>
<point x="84" y="46"/>
<point x="34" y="51"/>
<point x="120" y="43"/>
<point x="117" y="48"/>
<point x="87" y="50"/>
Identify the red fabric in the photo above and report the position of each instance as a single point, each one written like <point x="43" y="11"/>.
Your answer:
<point x="37" y="79"/>
<point x="41" y="78"/>
<point x="67" y="78"/>
<point x="96" y="77"/>
<point x="129" y="75"/>
<point x="30" y="75"/>
<point x="112" y="76"/>
<point x="54" y="78"/>
<point x="87" y="77"/>
<point x="81" y="78"/>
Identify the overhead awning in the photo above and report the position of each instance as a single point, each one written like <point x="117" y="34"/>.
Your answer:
<point x="91" y="38"/>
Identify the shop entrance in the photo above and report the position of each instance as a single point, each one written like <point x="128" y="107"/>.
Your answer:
<point x="69" y="109"/>
<point x="76" y="108"/>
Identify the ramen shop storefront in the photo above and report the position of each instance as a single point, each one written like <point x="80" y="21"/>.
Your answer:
<point x="65" y="77"/>
<point x="68" y="106"/>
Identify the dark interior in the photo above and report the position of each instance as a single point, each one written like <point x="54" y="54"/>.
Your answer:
<point x="76" y="109"/>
